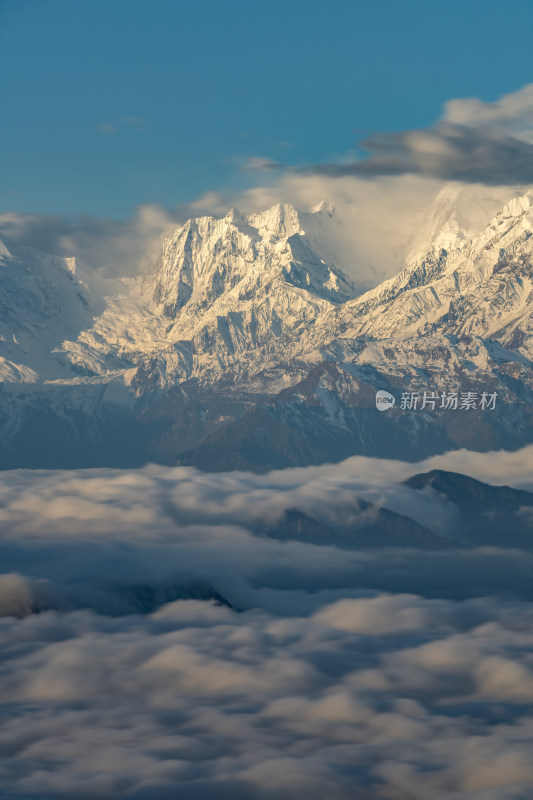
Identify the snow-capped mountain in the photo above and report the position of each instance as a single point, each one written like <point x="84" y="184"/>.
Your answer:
<point x="481" y="286"/>
<point x="239" y="284"/>
<point x="44" y="300"/>
<point x="247" y="345"/>
<point x="458" y="213"/>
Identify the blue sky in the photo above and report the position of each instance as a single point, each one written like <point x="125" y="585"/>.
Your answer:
<point x="107" y="105"/>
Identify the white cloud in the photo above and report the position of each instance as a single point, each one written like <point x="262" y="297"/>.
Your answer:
<point x="512" y="112"/>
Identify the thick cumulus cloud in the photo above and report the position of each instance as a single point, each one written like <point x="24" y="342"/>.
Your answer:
<point x="512" y="113"/>
<point x="474" y="141"/>
<point x="155" y="644"/>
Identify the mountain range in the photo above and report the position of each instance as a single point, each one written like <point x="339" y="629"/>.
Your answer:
<point x="250" y="344"/>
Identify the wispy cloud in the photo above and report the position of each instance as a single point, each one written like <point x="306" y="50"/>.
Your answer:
<point x="109" y="128"/>
<point x="121" y="247"/>
<point x="259" y="164"/>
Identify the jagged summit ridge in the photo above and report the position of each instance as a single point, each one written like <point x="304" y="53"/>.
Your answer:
<point x="207" y="258"/>
<point x="239" y="284"/>
<point x="282" y="220"/>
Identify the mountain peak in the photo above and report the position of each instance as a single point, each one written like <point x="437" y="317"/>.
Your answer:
<point x="235" y="214"/>
<point x="238" y="256"/>
<point x="517" y="206"/>
<point x="323" y="207"/>
<point x="282" y="220"/>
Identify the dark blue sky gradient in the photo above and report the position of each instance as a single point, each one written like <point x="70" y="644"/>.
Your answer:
<point x="216" y="82"/>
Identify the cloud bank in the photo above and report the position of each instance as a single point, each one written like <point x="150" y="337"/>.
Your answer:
<point x="387" y="697"/>
<point x="389" y="675"/>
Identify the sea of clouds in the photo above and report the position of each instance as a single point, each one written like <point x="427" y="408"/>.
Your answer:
<point x="321" y="672"/>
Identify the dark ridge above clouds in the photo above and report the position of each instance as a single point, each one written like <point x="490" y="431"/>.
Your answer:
<point x="461" y="488"/>
<point x="494" y="515"/>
